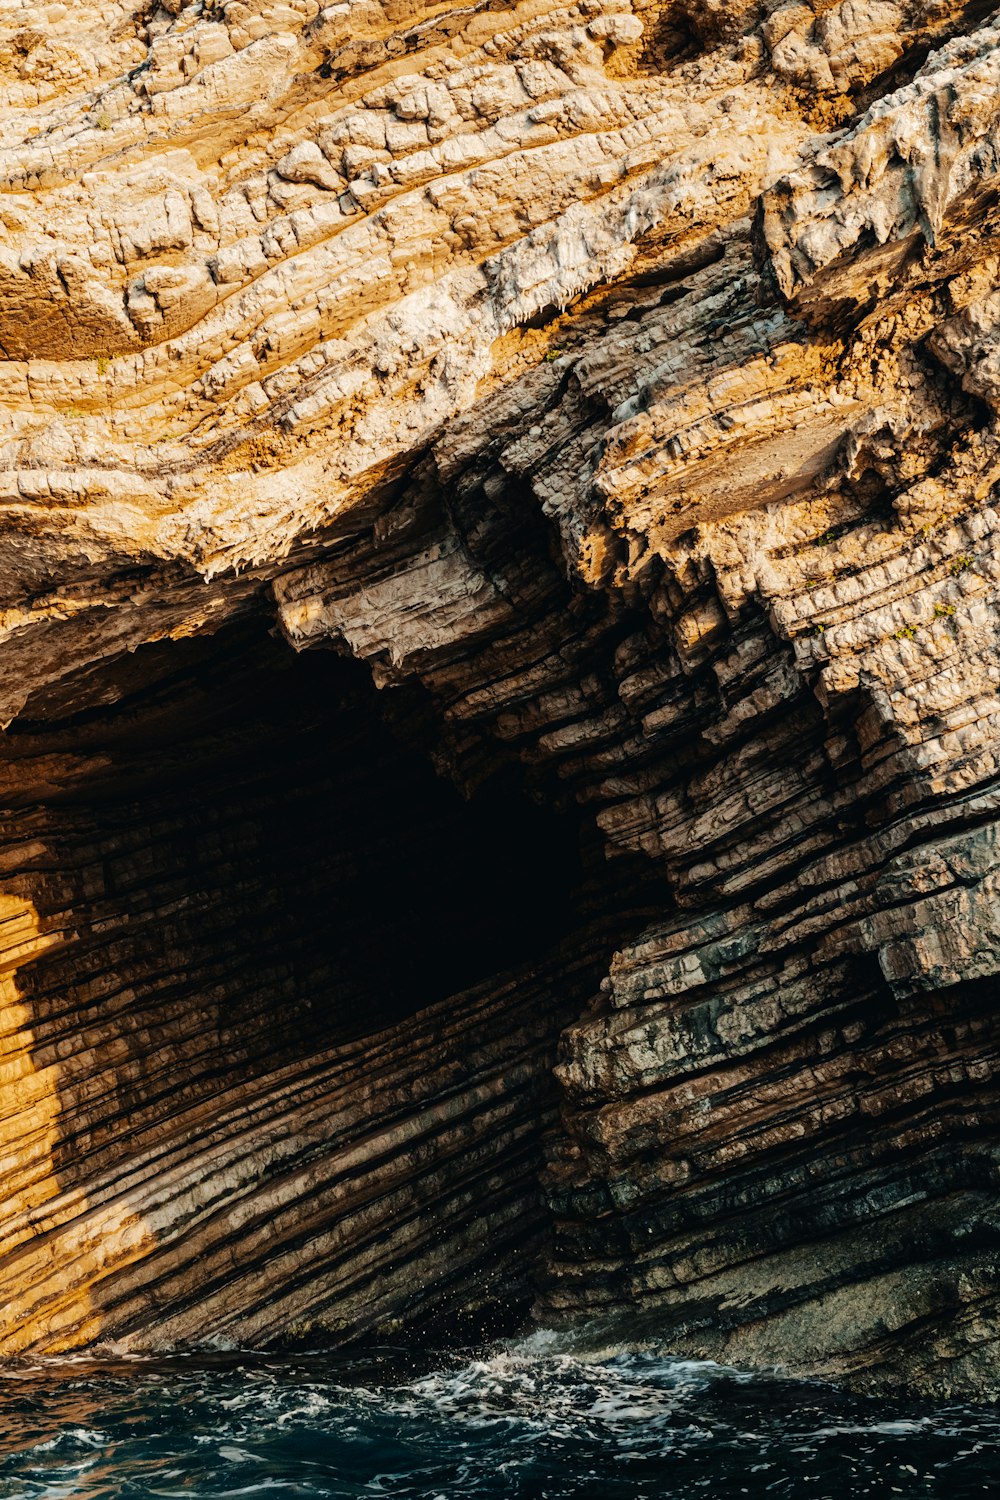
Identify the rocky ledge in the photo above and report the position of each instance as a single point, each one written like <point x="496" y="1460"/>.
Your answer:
<point x="499" y="787"/>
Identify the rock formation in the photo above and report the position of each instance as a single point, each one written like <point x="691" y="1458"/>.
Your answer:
<point x="598" y="404"/>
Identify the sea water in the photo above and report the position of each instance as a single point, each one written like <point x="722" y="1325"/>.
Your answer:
<point x="537" y="1419"/>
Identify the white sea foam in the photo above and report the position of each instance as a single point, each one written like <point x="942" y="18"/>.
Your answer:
<point x="540" y="1418"/>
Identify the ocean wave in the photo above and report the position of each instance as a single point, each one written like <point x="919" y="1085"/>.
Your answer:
<point x="547" y="1417"/>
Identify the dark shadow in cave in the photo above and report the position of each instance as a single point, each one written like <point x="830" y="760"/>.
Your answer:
<point x="245" y="835"/>
<point x="399" y="886"/>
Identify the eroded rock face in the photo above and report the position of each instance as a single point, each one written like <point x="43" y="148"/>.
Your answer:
<point x="618" y="384"/>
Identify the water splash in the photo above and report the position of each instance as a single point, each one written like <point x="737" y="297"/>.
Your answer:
<point x="544" y="1418"/>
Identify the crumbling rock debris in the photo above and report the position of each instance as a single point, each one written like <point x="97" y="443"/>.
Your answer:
<point x="617" y="382"/>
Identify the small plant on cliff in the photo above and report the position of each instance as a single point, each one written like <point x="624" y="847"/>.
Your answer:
<point x="943" y="611"/>
<point x="102" y="362"/>
<point x="104" y="122"/>
<point x="960" y="565"/>
<point x="906" y="633"/>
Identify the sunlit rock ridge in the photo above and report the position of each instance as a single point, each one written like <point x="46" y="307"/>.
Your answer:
<point x="499" y="669"/>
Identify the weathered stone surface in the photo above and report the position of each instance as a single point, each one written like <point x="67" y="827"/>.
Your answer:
<point x="618" y="383"/>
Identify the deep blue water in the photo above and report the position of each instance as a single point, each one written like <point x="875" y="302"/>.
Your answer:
<point x="528" y="1419"/>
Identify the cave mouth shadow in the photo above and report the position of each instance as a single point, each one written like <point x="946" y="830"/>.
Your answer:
<point x="264" y="838"/>
<point x="402" y="891"/>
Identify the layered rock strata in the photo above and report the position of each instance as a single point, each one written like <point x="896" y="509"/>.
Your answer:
<point x="617" y="383"/>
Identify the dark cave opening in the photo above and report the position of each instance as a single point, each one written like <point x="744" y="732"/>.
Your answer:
<point x="290" y="1004"/>
<point x="401" y="890"/>
<point x="242" y="833"/>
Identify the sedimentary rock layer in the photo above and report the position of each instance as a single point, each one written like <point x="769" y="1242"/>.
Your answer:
<point x="617" y="383"/>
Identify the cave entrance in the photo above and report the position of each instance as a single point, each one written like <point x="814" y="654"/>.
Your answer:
<point x="251" y="812"/>
<point x="289" y="1009"/>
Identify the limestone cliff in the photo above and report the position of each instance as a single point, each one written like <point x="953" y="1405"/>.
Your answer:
<point x="615" y="386"/>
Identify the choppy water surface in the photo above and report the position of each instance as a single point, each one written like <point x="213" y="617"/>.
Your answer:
<point x="530" y="1419"/>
